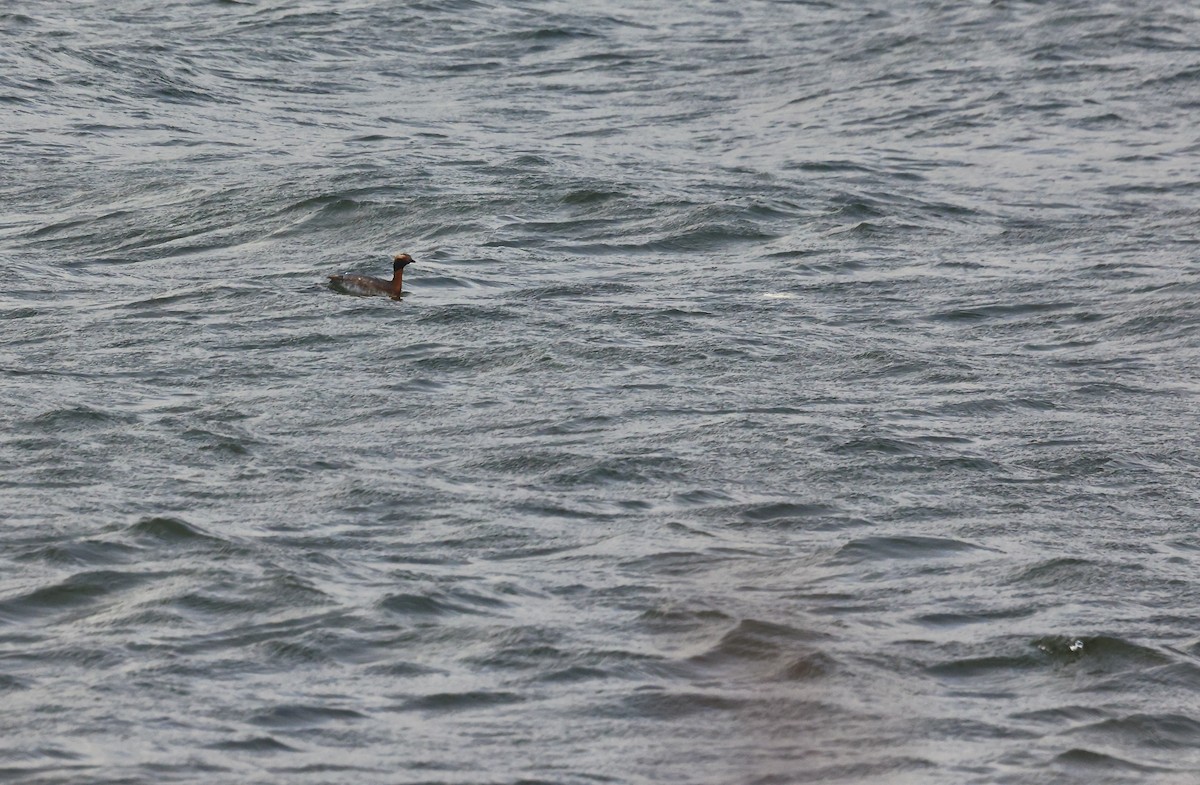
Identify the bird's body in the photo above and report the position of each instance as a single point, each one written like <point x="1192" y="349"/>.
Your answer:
<point x="369" y="284"/>
<point x="361" y="284"/>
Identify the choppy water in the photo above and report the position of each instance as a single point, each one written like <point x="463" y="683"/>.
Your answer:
<point x="786" y="392"/>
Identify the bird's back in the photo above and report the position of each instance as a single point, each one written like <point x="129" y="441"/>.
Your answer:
<point x="361" y="284"/>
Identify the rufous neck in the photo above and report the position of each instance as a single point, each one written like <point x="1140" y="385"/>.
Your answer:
<point x="397" y="279"/>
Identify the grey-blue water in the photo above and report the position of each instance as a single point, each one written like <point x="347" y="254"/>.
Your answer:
<point x="783" y="392"/>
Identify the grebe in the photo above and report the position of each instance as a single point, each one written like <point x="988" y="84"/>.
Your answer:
<point x="367" y="284"/>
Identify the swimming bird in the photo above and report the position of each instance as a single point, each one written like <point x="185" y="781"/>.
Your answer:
<point x="368" y="284"/>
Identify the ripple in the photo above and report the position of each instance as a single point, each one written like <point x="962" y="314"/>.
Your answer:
<point x="1078" y="759"/>
<point x="92" y="553"/>
<point x="902" y="547"/>
<point x="441" y="603"/>
<point x="663" y="706"/>
<point x="299" y="715"/>
<point x="76" y="592"/>
<point x="76" y="418"/>
<point x="1157" y="731"/>
<point x="167" y="530"/>
<point x="787" y="513"/>
<point x="459" y="701"/>
<point x="788" y="653"/>
<point x="265" y="744"/>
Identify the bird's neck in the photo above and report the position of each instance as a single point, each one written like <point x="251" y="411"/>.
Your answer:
<point x="397" y="279"/>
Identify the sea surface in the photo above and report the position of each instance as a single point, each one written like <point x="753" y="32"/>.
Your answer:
<point x="783" y="392"/>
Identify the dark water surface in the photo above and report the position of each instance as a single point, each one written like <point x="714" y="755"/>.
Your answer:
<point x="786" y="392"/>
